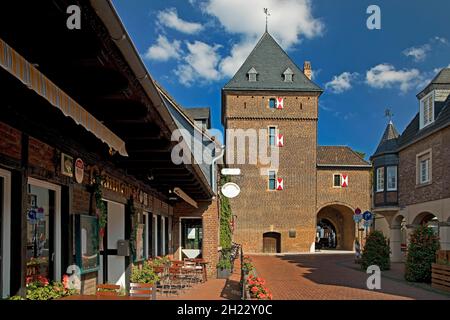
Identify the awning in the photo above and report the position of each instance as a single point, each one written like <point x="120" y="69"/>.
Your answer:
<point x="15" y="64"/>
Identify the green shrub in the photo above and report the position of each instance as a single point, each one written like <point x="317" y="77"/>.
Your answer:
<point x="225" y="259"/>
<point x="376" y="251"/>
<point x="422" y="248"/>
<point x="225" y="219"/>
<point x="145" y="274"/>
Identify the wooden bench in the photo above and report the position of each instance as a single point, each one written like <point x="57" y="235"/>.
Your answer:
<point x="107" y="290"/>
<point x="143" y="290"/>
<point x="440" y="276"/>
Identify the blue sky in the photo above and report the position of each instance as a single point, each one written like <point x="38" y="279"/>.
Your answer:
<point x="193" y="47"/>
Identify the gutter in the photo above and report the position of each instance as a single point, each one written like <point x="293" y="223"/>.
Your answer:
<point x="107" y="13"/>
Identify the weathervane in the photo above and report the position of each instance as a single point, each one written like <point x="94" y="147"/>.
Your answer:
<point x="388" y="114"/>
<point x="266" y="11"/>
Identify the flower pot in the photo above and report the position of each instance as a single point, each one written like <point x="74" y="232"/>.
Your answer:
<point x="223" y="273"/>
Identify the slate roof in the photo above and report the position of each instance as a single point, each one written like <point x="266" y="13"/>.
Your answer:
<point x="441" y="81"/>
<point x="339" y="156"/>
<point x="270" y="61"/>
<point x="198" y="113"/>
<point x="412" y="132"/>
<point x="389" y="141"/>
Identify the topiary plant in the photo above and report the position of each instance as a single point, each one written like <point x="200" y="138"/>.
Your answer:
<point x="376" y="251"/>
<point x="422" y="248"/>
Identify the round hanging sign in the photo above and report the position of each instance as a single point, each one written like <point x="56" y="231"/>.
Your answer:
<point x="79" y="170"/>
<point x="230" y="190"/>
<point x="357" y="211"/>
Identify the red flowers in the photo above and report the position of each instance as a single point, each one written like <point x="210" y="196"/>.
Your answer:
<point x="257" y="288"/>
<point x="66" y="281"/>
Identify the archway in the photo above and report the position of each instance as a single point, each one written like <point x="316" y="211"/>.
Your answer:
<point x="326" y="237"/>
<point x="429" y="220"/>
<point x="271" y="242"/>
<point x="338" y="219"/>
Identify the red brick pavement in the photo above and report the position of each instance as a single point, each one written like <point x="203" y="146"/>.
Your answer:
<point x="330" y="277"/>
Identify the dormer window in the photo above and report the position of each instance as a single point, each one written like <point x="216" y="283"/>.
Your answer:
<point x="427" y="110"/>
<point x="252" y="75"/>
<point x="287" y="75"/>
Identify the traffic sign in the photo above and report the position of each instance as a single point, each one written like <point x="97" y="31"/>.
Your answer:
<point x="357" y="211"/>
<point x="367" y="215"/>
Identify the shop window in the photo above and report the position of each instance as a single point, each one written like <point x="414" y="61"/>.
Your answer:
<point x="191" y="238"/>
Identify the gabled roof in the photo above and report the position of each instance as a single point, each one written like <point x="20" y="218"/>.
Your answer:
<point x="389" y="141"/>
<point x="441" y="81"/>
<point x="339" y="156"/>
<point x="270" y="61"/>
<point x="413" y="132"/>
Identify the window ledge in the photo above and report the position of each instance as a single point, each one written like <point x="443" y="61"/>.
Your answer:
<point x="425" y="184"/>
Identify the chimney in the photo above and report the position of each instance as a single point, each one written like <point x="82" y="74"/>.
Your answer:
<point x="307" y="69"/>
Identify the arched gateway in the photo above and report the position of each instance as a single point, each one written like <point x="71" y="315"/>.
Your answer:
<point x="335" y="228"/>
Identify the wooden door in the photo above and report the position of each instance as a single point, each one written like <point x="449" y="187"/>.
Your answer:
<point x="271" y="242"/>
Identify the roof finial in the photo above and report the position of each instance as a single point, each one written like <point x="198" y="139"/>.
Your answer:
<point x="266" y="11"/>
<point x="388" y="114"/>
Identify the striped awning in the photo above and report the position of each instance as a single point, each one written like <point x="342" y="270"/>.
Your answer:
<point x="23" y="70"/>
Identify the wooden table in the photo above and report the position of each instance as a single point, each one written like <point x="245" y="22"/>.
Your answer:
<point x="85" y="297"/>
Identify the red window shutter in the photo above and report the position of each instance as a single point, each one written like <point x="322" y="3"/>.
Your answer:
<point x="280" y="185"/>
<point x="280" y="103"/>
<point x="344" y="181"/>
<point x="280" y="140"/>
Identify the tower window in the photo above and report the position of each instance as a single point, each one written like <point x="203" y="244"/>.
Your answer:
<point x="252" y="75"/>
<point x="272" y="103"/>
<point x="272" y="135"/>
<point x="288" y="75"/>
<point x="272" y="178"/>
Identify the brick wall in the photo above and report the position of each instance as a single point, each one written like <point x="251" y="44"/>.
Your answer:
<point x="41" y="155"/>
<point x="409" y="191"/>
<point x="10" y="142"/>
<point x="259" y="210"/>
<point x="209" y="212"/>
<point x="357" y="194"/>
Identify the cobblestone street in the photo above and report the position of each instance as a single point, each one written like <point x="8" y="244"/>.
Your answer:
<point x="330" y="276"/>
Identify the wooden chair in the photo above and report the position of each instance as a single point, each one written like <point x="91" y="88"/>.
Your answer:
<point x="143" y="290"/>
<point x="107" y="290"/>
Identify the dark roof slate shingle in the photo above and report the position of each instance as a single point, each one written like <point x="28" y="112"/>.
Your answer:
<point x="270" y="61"/>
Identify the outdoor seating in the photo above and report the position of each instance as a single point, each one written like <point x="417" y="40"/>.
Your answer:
<point x="143" y="290"/>
<point x="107" y="290"/>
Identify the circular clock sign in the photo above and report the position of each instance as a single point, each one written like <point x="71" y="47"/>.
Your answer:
<point x="230" y="190"/>
<point x="79" y="170"/>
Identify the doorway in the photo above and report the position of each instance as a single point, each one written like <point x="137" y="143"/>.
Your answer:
<point x="271" y="242"/>
<point x="5" y="232"/>
<point x="326" y="235"/>
<point x="43" y="230"/>
<point x="191" y="235"/>
<point x="112" y="266"/>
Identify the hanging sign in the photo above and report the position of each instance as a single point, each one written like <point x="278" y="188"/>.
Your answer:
<point x="358" y="211"/>
<point x="79" y="170"/>
<point x="230" y="190"/>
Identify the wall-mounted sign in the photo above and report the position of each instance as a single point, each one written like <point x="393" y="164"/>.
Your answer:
<point x="344" y="181"/>
<point x="230" y="171"/>
<point x="79" y="170"/>
<point x="230" y="190"/>
<point x="66" y="165"/>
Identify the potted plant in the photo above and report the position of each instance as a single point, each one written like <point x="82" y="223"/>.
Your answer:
<point x="224" y="265"/>
<point x="144" y="274"/>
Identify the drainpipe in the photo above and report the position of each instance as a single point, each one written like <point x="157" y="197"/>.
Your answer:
<point x="213" y="166"/>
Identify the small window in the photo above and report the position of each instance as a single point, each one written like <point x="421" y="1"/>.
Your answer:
<point x="380" y="179"/>
<point x="392" y="178"/>
<point x="287" y="74"/>
<point x="337" y="180"/>
<point x="272" y="180"/>
<point x="424" y="168"/>
<point x="272" y="135"/>
<point x="427" y="110"/>
<point x="272" y="103"/>
<point x="252" y="75"/>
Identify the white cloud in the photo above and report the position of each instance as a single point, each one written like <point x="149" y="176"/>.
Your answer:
<point x="386" y="76"/>
<point x="170" y="19"/>
<point x="418" y="53"/>
<point x="342" y="82"/>
<point x="201" y="64"/>
<point x="289" y="22"/>
<point x="164" y="50"/>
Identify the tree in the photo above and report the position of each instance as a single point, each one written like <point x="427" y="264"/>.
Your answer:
<point x="422" y="248"/>
<point x="376" y="251"/>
